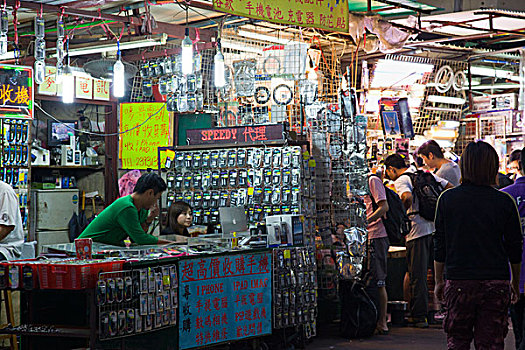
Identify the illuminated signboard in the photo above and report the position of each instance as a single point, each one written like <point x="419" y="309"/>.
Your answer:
<point x="16" y="91"/>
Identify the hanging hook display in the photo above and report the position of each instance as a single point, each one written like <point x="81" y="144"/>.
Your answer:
<point x="40" y="48"/>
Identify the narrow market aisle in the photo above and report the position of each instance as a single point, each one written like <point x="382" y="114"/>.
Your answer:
<point x="404" y="338"/>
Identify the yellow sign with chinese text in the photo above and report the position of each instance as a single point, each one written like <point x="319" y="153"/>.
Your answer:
<point x="84" y="88"/>
<point x="100" y="89"/>
<point x="146" y="127"/>
<point x="49" y="86"/>
<point x="331" y="15"/>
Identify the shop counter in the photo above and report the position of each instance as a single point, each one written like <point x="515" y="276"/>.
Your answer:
<point x="206" y="298"/>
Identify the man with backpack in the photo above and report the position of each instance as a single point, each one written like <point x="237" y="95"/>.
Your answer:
<point x="434" y="158"/>
<point x="419" y="192"/>
<point x="376" y="208"/>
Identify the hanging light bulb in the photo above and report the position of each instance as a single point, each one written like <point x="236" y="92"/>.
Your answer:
<point x="68" y="86"/>
<point x="187" y="54"/>
<point x="119" y="77"/>
<point x="219" y="67"/>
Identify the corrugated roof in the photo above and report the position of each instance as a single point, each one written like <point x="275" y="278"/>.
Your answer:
<point x="391" y="7"/>
<point x="469" y="22"/>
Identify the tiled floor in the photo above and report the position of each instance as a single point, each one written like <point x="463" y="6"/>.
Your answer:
<point x="404" y="338"/>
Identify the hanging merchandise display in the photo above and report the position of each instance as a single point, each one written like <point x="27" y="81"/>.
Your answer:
<point x="4" y="29"/>
<point x="350" y="261"/>
<point x="40" y="50"/>
<point x="244" y="77"/>
<point x="60" y="52"/>
<point x="295" y="289"/>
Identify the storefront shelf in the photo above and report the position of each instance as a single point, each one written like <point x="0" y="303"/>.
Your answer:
<point x="83" y="167"/>
<point x="58" y="331"/>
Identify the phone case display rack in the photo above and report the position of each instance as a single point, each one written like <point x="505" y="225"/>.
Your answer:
<point x="15" y="159"/>
<point x="264" y="180"/>
<point x="136" y="301"/>
<point x="295" y="289"/>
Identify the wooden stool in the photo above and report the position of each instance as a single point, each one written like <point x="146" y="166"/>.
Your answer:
<point x="8" y="306"/>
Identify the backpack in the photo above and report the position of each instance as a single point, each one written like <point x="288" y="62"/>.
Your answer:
<point x="427" y="191"/>
<point x="358" y="311"/>
<point x="396" y="221"/>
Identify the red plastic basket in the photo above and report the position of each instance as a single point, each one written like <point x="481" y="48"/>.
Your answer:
<point x="74" y="276"/>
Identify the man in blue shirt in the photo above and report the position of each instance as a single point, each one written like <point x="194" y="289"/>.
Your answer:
<point x="517" y="311"/>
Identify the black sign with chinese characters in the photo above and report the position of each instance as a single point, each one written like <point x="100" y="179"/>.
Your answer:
<point x="236" y="135"/>
<point x="16" y="91"/>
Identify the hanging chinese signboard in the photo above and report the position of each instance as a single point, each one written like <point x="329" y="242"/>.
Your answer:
<point x="236" y="134"/>
<point x="16" y="91"/>
<point x="224" y="298"/>
<point x="329" y="15"/>
<point x="85" y="87"/>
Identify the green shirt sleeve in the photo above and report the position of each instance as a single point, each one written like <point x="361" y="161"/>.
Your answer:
<point x="129" y="221"/>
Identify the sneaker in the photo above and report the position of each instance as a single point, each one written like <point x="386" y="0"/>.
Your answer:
<point x="418" y="322"/>
<point x="422" y="323"/>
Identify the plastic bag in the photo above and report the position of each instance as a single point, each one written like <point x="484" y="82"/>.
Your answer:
<point x="126" y="184"/>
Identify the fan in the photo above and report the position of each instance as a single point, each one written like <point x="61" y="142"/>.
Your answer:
<point x="103" y="69"/>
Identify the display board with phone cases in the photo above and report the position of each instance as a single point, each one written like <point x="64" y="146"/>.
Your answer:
<point x="137" y="301"/>
<point x="295" y="288"/>
<point x="15" y="158"/>
<point x="264" y="180"/>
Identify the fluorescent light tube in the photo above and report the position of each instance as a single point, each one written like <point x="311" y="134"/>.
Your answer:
<point x="187" y="54"/>
<point x="491" y="72"/>
<point x="446" y="99"/>
<point x="218" y="60"/>
<point x="263" y="37"/>
<point x="119" y="79"/>
<point x="228" y="44"/>
<point x="495" y="86"/>
<point x="8" y="55"/>
<point x="68" y="86"/>
<point x="106" y="46"/>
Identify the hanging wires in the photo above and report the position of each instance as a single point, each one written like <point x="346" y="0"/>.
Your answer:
<point x="98" y="134"/>
<point x="15" y="24"/>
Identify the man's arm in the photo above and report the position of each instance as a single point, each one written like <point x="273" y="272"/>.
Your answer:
<point x="406" y="198"/>
<point x="513" y="243"/>
<point x="515" y="271"/>
<point x="5" y="230"/>
<point x="439" y="250"/>
<point x="439" y="280"/>
<point x="382" y="208"/>
<point x="164" y="241"/>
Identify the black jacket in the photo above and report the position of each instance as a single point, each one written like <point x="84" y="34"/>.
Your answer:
<point x="478" y="232"/>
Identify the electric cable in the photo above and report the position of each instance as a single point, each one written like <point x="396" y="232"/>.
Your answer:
<point x="97" y="134"/>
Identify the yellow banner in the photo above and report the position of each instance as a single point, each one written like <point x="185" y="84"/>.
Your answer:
<point x="329" y="15"/>
<point x="138" y="147"/>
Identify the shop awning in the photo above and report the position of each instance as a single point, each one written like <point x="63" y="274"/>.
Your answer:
<point x="472" y="22"/>
<point x="389" y="8"/>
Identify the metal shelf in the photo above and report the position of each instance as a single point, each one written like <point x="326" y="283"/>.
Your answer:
<point x="73" y="332"/>
<point x="68" y="167"/>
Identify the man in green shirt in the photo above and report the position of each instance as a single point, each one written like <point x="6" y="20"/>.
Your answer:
<point x="128" y="216"/>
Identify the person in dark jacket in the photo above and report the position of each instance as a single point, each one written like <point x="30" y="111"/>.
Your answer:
<point x="478" y="234"/>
